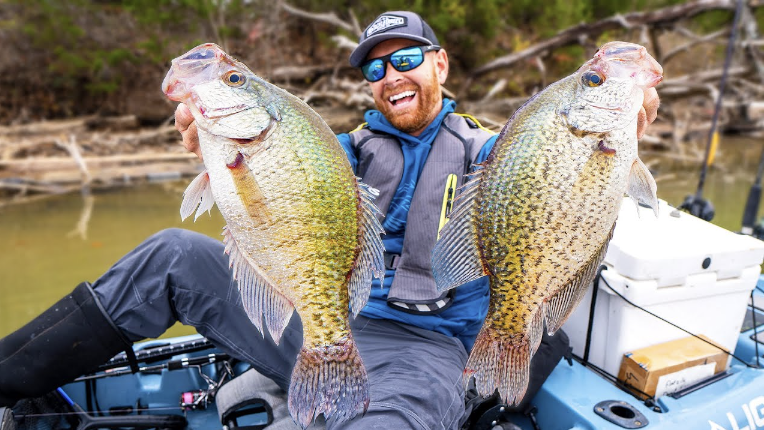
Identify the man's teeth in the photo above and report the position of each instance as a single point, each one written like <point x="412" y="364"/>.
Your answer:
<point x="401" y="95"/>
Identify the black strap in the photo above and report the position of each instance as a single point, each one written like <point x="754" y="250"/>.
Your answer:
<point x="433" y="308"/>
<point x="392" y="260"/>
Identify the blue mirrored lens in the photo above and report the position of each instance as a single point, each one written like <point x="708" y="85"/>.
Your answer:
<point x="374" y="70"/>
<point x="402" y="60"/>
<point x="407" y="59"/>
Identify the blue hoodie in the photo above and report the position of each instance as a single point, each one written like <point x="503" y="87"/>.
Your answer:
<point x="465" y="316"/>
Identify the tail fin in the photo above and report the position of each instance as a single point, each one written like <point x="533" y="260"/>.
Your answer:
<point x="328" y="379"/>
<point x="500" y="361"/>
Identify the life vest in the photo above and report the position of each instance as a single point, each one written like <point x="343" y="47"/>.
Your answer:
<point x="380" y="165"/>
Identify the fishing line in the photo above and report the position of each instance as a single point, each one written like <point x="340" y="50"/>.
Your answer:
<point x="755" y="331"/>
<point x="58" y="414"/>
<point x="613" y="379"/>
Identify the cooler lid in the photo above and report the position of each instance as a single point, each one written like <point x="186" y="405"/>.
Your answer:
<point x="676" y="244"/>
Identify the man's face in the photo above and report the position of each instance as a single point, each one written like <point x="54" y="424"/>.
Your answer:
<point x="409" y="100"/>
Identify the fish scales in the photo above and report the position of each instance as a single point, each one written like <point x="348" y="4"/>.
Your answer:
<point x="538" y="215"/>
<point x="314" y="216"/>
<point x="302" y="232"/>
<point x="540" y="218"/>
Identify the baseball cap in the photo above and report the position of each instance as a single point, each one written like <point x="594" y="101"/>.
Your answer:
<point x="392" y="25"/>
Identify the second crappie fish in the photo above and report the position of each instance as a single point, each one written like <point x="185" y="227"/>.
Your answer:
<point x="539" y="213"/>
<point x="302" y="232"/>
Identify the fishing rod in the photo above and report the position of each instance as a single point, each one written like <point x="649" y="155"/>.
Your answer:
<point x="752" y="203"/>
<point x="696" y="204"/>
<point x="181" y="363"/>
<point x="158" y="353"/>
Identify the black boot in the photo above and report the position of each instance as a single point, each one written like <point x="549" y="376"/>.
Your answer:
<point x="69" y="339"/>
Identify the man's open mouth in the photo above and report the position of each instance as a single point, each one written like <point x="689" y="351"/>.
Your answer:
<point x="402" y="97"/>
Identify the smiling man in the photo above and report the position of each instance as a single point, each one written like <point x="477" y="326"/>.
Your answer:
<point x="415" y="150"/>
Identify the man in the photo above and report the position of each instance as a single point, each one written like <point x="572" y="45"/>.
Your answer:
<point x="414" y="341"/>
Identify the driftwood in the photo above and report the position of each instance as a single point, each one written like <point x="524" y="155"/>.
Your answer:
<point x="55" y="157"/>
<point x="43" y="164"/>
<point x="74" y="151"/>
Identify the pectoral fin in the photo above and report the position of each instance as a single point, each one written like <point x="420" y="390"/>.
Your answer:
<point x="642" y="188"/>
<point x="198" y="196"/>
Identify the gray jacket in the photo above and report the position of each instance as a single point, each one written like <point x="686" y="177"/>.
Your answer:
<point x="380" y="165"/>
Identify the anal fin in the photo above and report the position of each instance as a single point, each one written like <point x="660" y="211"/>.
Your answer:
<point x="260" y="298"/>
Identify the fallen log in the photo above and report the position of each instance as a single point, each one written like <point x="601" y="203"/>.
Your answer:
<point x="52" y="163"/>
<point x="47" y="127"/>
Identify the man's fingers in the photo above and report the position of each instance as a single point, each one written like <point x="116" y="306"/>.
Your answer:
<point x="191" y="140"/>
<point x="641" y="123"/>
<point x="648" y="112"/>
<point x="185" y="124"/>
<point x="650" y="104"/>
<point x="183" y="118"/>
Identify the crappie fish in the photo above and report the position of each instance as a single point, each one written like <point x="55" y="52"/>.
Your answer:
<point x="302" y="231"/>
<point x="537" y="216"/>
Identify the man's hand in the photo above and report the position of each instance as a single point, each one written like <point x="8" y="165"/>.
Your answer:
<point x="185" y="124"/>
<point x="647" y="114"/>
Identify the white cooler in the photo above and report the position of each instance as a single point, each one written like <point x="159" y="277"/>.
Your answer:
<point x="690" y="272"/>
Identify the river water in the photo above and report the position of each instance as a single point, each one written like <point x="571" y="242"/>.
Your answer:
<point x="44" y="256"/>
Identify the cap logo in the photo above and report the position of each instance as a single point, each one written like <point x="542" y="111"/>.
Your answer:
<point x="384" y="23"/>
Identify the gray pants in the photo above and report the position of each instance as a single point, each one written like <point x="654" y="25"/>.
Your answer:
<point x="178" y="275"/>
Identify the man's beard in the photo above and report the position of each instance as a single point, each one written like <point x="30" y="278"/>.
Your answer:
<point x="428" y="96"/>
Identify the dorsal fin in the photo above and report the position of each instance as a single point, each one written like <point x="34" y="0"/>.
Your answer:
<point x="456" y="258"/>
<point x="259" y="297"/>
<point x="370" y="260"/>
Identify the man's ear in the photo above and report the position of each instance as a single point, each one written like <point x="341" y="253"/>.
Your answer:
<point x="441" y="65"/>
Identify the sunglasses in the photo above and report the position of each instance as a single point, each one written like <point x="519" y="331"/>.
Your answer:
<point x="402" y="60"/>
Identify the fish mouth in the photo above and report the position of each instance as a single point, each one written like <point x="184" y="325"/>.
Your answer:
<point x="198" y="63"/>
<point x="627" y="60"/>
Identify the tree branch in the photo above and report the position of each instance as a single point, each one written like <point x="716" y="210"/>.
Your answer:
<point x="574" y="34"/>
<point x="328" y="18"/>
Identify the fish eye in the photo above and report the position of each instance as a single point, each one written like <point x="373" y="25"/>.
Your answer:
<point x="234" y="79"/>
<point x="592" y="79"/>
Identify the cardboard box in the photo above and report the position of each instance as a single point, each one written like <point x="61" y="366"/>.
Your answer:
<point x="671" y="366"/>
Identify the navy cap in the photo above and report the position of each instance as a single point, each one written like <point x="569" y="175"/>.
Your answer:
<point x="392" y="25"/>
